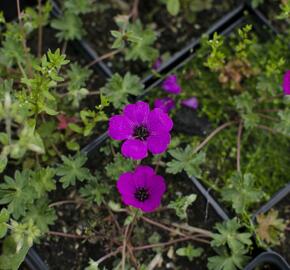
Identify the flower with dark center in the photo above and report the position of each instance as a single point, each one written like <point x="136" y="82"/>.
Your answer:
<point x="141" y="133"/>
<point x="141" y="129"/>
<point x="142" y="188"/>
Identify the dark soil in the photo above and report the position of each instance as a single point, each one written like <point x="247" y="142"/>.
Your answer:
<point x="173" y="32"/>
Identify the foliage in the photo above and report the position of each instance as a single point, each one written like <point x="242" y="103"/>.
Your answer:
<point x="73" y="170"/>
<point x="118" y="89"/>
<point x="241" y="192"/>
<point x="181" y="204"/>
<point x="231" y="246"/>
<point x="185" y="160"/>
<point x="190" y="252"/>
<point x="270" y="228"/>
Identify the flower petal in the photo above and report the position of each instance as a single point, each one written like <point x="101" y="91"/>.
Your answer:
<point x="286" y="83"/>
<point x="158" y="143"/>
<point x="143" y="175"/>
<point x="137" y="112"/>
<point x="159" y="121"/>
<point x="134" y="149"/>
<point x="120" y="127"/>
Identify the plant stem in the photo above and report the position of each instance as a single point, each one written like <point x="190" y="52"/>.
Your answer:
<point x="211" y="135"/>
<point x="239" y="136"/>
<point x="68" y="235"/>
<point x="135" y="10"/>
<point x="162" y="244"/>
<point x="65" y="202"/>
<point x="40" y="32"/>
<point x="105" y="56"/>
<point x="107" y="256"/>
<point x="192" y="229"/>
<point x="124" y="247"/>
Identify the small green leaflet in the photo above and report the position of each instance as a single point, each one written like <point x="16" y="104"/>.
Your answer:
<point x="72" y="170"/>
<point x="186" y="160"/>
<point x="173" y="7"/>
<point x="181" y="204"/>
<point x="4" y="217"/>
<point x="190" y="252"/>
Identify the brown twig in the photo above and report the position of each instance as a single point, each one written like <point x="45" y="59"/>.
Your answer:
<point x="239" y="136"/>
<point x="123" y="264"/>
<point x="135" y="10"/>
<point x="68" y="235"/>
<point x="162" y="244"/>
<point x="109" y="255"/>
<point x="65" y="202"/>
<point x="103" y="57"/>
<point x="211" y="135"/>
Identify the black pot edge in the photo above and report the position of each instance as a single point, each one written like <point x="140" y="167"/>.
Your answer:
<point x="223" y="26"/>
<point x="268" y="257"/>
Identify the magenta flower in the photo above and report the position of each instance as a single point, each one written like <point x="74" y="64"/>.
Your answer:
<point x="286" y="83"/>
<point x="171" y="85"/>
<point x="190" y="103"/>
<point x="157" y="64"/>
<point x="142" y="188"/>
<point x="165" y="104"/>
<point x="141" y="129"/>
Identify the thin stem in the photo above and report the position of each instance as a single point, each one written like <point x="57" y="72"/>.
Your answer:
<point x="68" y="235"/>
<point x="239" y="136"/>
<point x="263" y="99"/>
<point x="269" y="117"/>
<point x="109" y="255"/>
<point x="266" y="128"/>
<point x="135" y="10"/>
<point x="103" y="57"/>
<point x="65" y="202"/>
<point x="64" y="46"/>
<point x="123" y="265"/>
<point x="211" y="135"/>
<point x="158" y="163"/>
<point x="40" y="32"/>
<point x="168" y="243"/>
<point x="192" y="229"/>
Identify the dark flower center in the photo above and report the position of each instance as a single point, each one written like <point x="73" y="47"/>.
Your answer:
<point x="141" y="194"/>
<point x="141" y="133"/>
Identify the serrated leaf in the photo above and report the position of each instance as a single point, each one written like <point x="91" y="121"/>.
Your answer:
<point x="181" y="204"/>
<point x="190" y="252"/>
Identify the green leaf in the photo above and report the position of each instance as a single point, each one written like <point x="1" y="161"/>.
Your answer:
<point x="142" y="48"/>
<point x="241" y="192"/>
<point x="173" y="7"/>
<point x="228" y="234"/>
<point x="72" y="170"/>
<point x="185" y="160"/>
<point x="10" y="258"/>
<point x="190" y="252"/>
<point x="3" y="163"/>
<point x="69" y="26"/>
<point x="118" y="89"/>
<point x="181" y="204"/>
<point x="95" y="191"/>
<point x="41" y="214"/>
<point x="118" y="166"/>
<point x="79" y="6"/>
<point x="4" y="217"/>
<point x="17" y="193"/>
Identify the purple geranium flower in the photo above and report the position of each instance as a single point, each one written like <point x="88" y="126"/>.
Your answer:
<point x="190" y="103"/>
<point x="157" y="63"/>
<point x="286" y="83"/>
<point x="165" y="104"/>
<point x="142" y="188"/>
<point x="142" y="129"/>
<point x="171" y="85"/>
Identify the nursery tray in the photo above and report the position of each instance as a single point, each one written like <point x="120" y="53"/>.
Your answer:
<point x="224" y="26"/>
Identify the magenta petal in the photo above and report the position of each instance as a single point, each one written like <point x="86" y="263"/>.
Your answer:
<point x="134" y="149"/>
<point x="124" y="183"/>
<point x="142" y="175"/>
<point x="137" y="112"/>
<point x="120" y="127"/>
<point x="171" y="85"/>
<point x="165" y="104"/>
<point x="286" y="83"/>
<point x="158" y="143"/>
<point x="190" y="103"/>
<point x="159" y="121"/>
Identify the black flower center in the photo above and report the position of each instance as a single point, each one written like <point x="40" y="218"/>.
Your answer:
<point x="141" y="194"/>
<point x="141" y="133"/>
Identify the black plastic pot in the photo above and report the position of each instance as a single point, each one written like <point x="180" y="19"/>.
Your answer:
<point x="223" y="26"/>
<point x="273" y="259"/>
